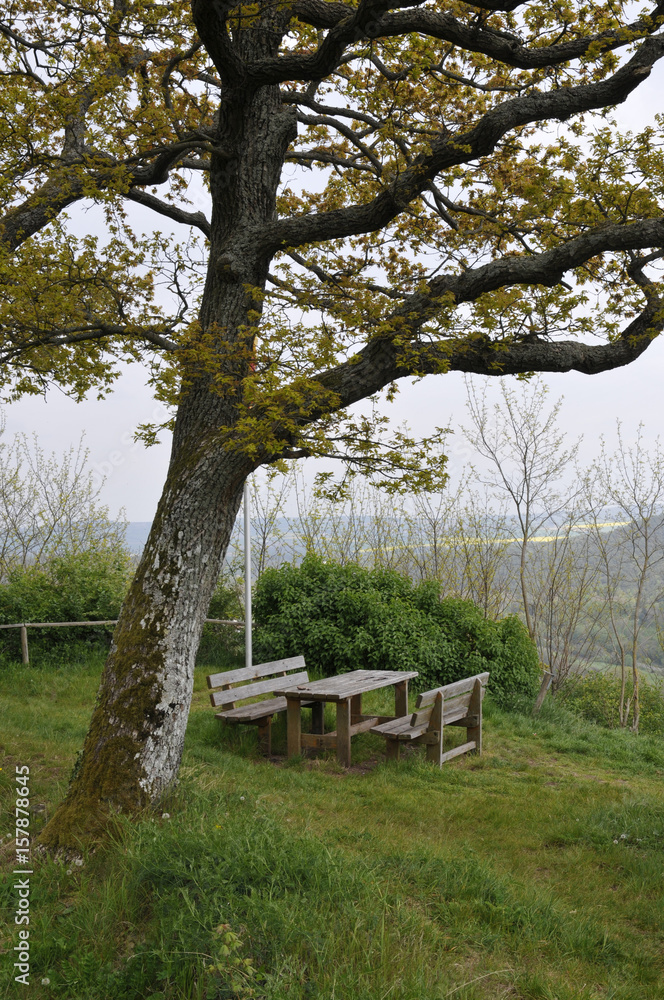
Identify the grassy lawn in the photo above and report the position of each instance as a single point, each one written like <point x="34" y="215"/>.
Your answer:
<point x="532" y="872"/>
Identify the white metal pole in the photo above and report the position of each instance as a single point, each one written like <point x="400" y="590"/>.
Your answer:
<point x="248" y="654"/>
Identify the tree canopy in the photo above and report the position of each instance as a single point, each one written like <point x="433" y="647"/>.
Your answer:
<point x="418" y="205"/>
<point x="352" y="194"/>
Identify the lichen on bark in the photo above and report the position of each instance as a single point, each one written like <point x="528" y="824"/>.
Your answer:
<point x="133" y="747"/>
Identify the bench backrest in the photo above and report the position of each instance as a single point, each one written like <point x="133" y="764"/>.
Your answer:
<point x="456" y="698"/>
<point x="248" y="682"/>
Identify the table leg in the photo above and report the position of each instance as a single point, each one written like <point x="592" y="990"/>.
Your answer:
<point x="343" y="732"/>
<point x="355" y="707"/>
<point x="293" y="726"/>
<point x="401" y="699"/>
<point x="318" y="717"/>
<point x="265" y="736"/>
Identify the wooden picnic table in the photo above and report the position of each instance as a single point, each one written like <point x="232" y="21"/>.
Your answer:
<point x="346" y="690"/>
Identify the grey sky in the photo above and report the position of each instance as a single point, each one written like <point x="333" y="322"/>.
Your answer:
<point x="135" y="475"/>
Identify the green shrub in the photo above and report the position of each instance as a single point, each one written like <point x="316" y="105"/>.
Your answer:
<point x="596" y="697"/>
<point x="222" y="645"/>
<point x="81" y="586"/>
<point x="346" y="618"/>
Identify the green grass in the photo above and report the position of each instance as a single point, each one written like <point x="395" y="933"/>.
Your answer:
<point x="532" y="873"/>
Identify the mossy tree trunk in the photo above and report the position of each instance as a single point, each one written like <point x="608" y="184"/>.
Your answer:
<point x="133" y="748"/>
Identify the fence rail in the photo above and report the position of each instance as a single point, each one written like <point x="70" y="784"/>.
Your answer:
<point x="24" y="626"/>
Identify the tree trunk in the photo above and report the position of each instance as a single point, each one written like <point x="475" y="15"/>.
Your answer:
<point x="524" y="590"/>
<point x="133" y="748"/>
<point x="134" y="745"/>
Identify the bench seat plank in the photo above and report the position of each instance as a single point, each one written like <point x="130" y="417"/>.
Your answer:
<point x="400" y="729"/>
<point x="257" y="710"/>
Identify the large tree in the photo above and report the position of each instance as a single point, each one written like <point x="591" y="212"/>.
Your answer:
<point x="469" y="209"/>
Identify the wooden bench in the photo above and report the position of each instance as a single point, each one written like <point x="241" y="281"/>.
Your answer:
<point x="457" y="704"/>
<point x="254" y="682"/>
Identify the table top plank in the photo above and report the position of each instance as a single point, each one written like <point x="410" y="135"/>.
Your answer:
<point x="344" y="686"/>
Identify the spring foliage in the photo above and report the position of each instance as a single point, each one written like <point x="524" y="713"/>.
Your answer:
<point x="447" y="206"/>
<point x="81" y="586"/>
<point x="347" y="618"/>
<point x="597" y="697"/>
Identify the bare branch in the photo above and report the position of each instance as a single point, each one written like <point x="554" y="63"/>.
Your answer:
<point x="90" y="334"/>
<point x="307" y="157"/>
<point x="348" y="133"/>
<point x="302" y="98"/>
<point x="196" y="219"/>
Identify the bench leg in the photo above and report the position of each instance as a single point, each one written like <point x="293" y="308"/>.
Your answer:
<point x="265" y="736"/>
<point x="391" y="749"/>
<point x="475" y="708"/>
<point x="401" y="699"/>
<point x="435" y="750"/>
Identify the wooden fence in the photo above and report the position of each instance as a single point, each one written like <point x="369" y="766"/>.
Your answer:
<point x="24" y="626"/>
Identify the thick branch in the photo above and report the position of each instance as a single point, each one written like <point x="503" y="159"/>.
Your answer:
<point x="380" y="20"/>
<point x="354" y="25"/>
<point x="320" y="14"/>
<point x="384" y="360"/>
<point x="67" y="185"/>
<point x="381" y="362"/>
<point x="56" y="194"/>
<point x="210" y="18"/>
<point x="448" y="152"/>
<point x="545" y="268"/>
<point x="509" y="50"/>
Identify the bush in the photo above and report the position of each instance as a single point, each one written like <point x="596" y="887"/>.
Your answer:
<point x="222" y="645"/>
<point x="343" y="618"/>
<point x="81" y="586"/>
<point x="596" y="697"/>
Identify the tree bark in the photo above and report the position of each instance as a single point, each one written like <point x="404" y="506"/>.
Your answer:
<point x="133" y="748"/>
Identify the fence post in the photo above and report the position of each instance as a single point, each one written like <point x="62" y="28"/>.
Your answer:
<point x="24" y="646"/>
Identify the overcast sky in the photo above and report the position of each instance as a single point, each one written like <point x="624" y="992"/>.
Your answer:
<point x="135" y="475"/>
